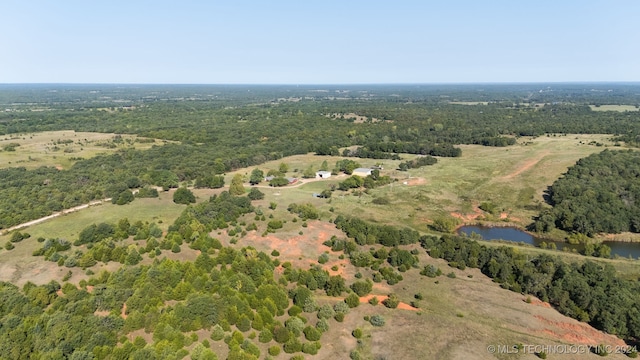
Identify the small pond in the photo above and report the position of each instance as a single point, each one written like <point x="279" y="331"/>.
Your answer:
<point x="622" y="249"/>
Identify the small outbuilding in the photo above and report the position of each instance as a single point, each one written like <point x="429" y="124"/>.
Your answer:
<point x="362" y="172"/>
<point x="323" y="174"/>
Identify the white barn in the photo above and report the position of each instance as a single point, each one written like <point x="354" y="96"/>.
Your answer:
<point x="323" y="174"/>
<point x="362" y="172"/>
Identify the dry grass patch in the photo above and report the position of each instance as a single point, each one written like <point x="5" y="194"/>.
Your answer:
<point x="62" y="148"/>
<point x="618" y="108"/>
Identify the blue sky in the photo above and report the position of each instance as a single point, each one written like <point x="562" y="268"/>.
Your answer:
<point x="318" y="42"/>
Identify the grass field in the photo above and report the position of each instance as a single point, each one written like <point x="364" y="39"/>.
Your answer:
<point x="513" y="178"/>
<point x="619" y="108"/>
<point x="58" y="148"/>
<point x="19" y="266"/>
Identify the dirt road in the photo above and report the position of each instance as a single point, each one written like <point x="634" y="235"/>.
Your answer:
<point x="54" y="215"/>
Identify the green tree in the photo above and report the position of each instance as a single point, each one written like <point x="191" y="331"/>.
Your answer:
<point x="255" y="194"/>
<point x="256" y="177"/>
<point x="283" y="168"/>
<point x="183" y="196"/>
<point x="236" y="187"/>
<point x="324" y="166"/>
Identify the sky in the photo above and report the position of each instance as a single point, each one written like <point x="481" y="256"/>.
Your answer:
<point x="318" y="41"/>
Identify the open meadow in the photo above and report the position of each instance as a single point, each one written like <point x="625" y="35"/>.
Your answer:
<point x="62" y="148"/>
<point x="512" y="178"/>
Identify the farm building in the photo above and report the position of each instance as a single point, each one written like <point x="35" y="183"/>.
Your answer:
<point x="363" y="172"/>
<point x="323" y="174"/>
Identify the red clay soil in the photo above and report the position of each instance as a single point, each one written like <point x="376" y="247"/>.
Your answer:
<point x="538" y="302"/>
<point x="301" y="250"/>
<point x="577" y="333"/>
<point x="468" y="217"/>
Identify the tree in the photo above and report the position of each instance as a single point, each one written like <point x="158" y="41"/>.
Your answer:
<point x="279" y="181"/>
<point x="183" y="196"/>
<point x="308" y="173"/>
<point x="255" y="194"/>
<point x="283" y="168"/>
<point x="324" y="166"/>
<point x="236" y="187"/>
<point x="256" y="177"/>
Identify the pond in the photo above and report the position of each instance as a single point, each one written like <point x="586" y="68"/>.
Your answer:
<point x="622" y="249"/>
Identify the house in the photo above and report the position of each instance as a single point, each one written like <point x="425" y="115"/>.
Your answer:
<point x="362" y="172"/>
<point x="292" y="180"/>
<point x="323" y="174"/>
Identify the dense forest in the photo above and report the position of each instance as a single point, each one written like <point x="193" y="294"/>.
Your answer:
<point x="597" y="195"/>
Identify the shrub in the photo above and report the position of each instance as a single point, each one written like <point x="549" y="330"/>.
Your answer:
<point x="274" y="224"/>
<point x="341" y="308"/>
<point x="325" y="312"/>
<point x="292" y="346"/>
<point x="312" y="334"/>
<point x="274" y="350"/>
<point x="391" y="302"/>
<point x="352" y="300"/>
<point x="294" y="310"/>
<point x="309" y="348"/>
<point x="322" y="325"/>
<point x="322" y="259"/>
<point x="357" y="333"/>
<point x="18" y="236"/>
<point x="431" y="271"/>
<point x="377" y="320"/>
<point x="255" y="194"/>
<point x="265" y="336"/>
<point x="374" y="301"/>
<point x="217" y="333"/>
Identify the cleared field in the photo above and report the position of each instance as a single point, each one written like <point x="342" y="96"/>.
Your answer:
<point x="60" y="148"/>
<point x="513" y="178"/>
<point x="619" y="108"/>
<point x="19" y="266"/>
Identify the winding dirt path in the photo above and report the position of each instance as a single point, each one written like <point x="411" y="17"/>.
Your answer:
<point x="54" y="215"/>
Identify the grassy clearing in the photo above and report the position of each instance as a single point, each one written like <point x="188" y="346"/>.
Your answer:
<point x="60" y="148"/>
<point x="513" y="178"/>
<point x="469" y="102"/>
<point x="19" y="266"/>
<point x="619" y="108"/>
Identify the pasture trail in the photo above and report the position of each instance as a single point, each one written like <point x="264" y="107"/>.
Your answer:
<point x="526" y="166"/>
